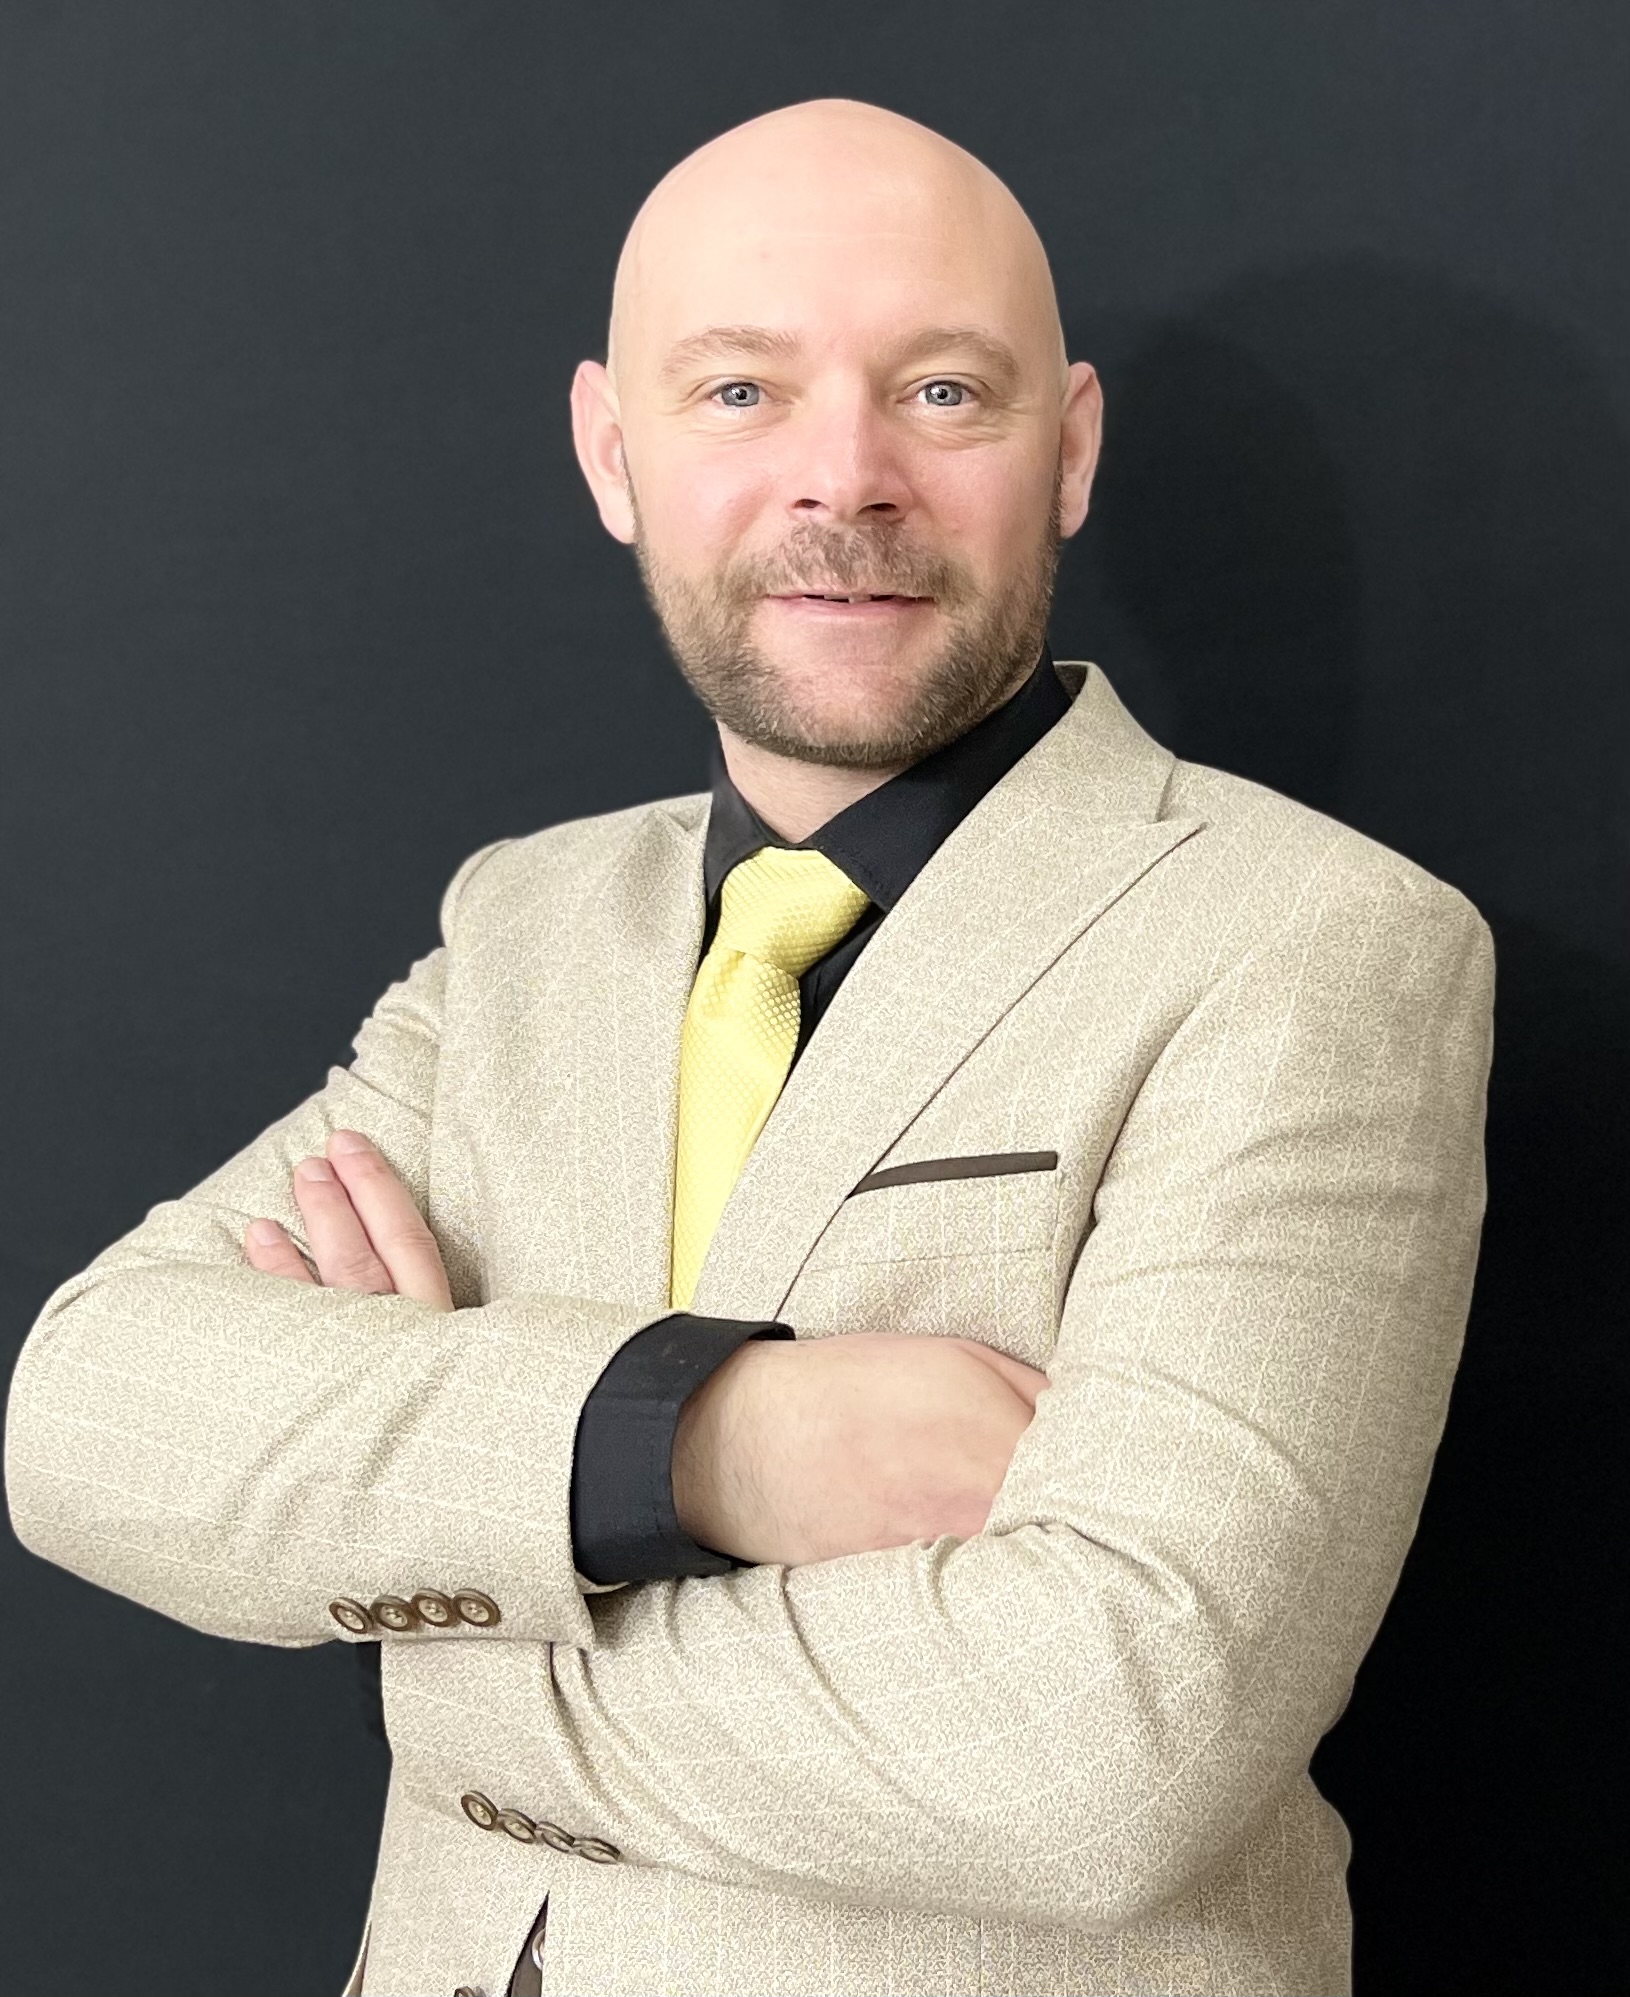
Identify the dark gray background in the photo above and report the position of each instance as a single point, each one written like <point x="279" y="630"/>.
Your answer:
<point x="301" y="600"/>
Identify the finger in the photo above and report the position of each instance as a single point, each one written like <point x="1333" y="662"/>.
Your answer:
<point x="277" y="1255"/>
<point x="400" y="1235"/>
<point x="345" y="1257"/>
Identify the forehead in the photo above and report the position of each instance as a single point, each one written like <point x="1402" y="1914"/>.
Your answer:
<point x="859" y="265"/>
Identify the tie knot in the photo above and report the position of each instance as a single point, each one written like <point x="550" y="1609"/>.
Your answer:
<point x="787" y="908"/>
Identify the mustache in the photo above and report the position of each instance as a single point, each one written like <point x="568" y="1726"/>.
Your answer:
<point x="874" y="562"/>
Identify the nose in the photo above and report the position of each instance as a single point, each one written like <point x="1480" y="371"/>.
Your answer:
<point x="846" y="466"/>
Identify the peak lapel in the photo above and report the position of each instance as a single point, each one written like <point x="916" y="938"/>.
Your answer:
<point x="1063" y="835"/>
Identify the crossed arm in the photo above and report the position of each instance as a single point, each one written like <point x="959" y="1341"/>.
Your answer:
<point x="787" y="1453"/>
<point x="1065" y="1717"/>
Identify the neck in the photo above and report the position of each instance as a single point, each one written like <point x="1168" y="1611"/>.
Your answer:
<point x="795" y="798"/>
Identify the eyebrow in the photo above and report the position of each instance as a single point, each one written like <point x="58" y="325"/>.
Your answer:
<point x="720" y="342"/>
<point x="995" y="356"/>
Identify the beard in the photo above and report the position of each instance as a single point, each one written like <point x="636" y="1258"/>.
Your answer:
<point x="993" y="641"/>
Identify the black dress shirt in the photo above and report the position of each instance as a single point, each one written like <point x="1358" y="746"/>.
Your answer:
<point x="624" y="1527"/>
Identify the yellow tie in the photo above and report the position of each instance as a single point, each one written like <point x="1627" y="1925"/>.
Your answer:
<point x="779" y="912"/>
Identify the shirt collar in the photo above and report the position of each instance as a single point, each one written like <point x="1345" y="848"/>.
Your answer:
<point x="883" y="840"/>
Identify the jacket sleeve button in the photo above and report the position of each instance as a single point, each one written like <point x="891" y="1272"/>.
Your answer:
<point x="518" y="1825"/>
<point x="392" y="1613"/>
<point x="351" y="1616"/>
<point x="434" y="1608"/>
<point x="478" y="1610"/>
<point x="481" y="1810"/>
<point x="598" y="1850"/>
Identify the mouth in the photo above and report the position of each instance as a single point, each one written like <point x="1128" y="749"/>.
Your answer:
<point x="850" y="599"/>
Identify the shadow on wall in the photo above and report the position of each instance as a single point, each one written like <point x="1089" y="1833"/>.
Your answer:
<point x="1363" y="536"/>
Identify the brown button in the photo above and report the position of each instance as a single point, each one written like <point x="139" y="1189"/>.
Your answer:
<point x="392" y="1613"/>
<point x="481" y="1810"/>
<point x="597" y="1849"/>
<point x="518" y="1825"/>
<point x="478" y="1610"/>
<point x="557" y="1839"/>
<point x="466" y="1990"/>
<point x="435" y="1608"/>
<point x="351" y="1615"/>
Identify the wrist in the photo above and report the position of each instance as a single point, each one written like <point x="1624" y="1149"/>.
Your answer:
<point x="709" y="1439"/>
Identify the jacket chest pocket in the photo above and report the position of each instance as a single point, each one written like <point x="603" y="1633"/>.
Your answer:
<point x="970" y="1257"/>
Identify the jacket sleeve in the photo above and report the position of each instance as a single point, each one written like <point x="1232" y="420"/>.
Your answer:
<point x="240" y="1452"/>
<point x="1071" y="1717"/>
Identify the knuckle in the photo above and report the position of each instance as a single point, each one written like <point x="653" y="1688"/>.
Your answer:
<point x="412" y="1234"/>
<point x="357" y="1272"/>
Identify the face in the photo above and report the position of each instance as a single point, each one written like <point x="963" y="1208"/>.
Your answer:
<point x="846" y="451"/>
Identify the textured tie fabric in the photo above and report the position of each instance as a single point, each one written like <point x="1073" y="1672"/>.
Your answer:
<point x="779" y="912"/>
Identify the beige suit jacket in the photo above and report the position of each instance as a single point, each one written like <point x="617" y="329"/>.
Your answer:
<point x="1068" y="1755"/>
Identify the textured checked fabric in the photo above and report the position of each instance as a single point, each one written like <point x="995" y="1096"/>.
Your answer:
<point x="779" y="912"/>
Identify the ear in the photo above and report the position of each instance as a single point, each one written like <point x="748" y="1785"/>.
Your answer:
<point x="1083" y="429"/>
<point x="598" y="435"/>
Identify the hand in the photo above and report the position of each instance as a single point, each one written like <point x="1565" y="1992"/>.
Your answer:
<point x="804" y="1449"/>
<point x="365" y="1231"/>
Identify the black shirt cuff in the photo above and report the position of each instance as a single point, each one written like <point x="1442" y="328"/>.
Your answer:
<point x="624" y="1526"/>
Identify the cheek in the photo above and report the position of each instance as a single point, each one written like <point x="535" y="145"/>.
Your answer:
<point x="988" y="508"/>
<point x="698" y="512"/>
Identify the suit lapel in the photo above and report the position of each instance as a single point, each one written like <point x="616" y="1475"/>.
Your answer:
<point x="1063" y="835"/>
<point x="599" y="1089"/>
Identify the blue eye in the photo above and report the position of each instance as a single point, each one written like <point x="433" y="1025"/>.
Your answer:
<point x="945" y="394"/>
<point x="738" y="394"/>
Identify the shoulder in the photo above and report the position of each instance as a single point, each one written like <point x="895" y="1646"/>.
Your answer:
<point x="559" y="858"/>
<point x="1283" y="859"/>
<point x="1251" y="861"/>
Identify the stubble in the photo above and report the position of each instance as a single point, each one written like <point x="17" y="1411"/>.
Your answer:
<point x="993" y="640"/>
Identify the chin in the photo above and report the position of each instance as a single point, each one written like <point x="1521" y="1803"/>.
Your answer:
<point x="846" y="698"/>
<point x="873" y="730"/>
<point x="856" y="672"/>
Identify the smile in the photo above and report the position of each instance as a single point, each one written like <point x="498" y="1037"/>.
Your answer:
<point x="857" y="598"/>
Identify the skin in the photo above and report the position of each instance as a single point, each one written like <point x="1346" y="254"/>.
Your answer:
<point x="835" y="366"/>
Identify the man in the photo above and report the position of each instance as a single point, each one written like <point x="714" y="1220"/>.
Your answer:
<point x="877" y="1334"/>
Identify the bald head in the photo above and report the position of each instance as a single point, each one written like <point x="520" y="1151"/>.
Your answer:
<point x="834" y="184"/>
<point x="837" y="423"/>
